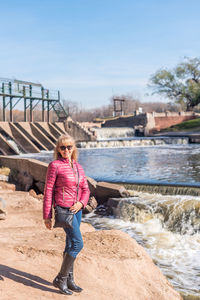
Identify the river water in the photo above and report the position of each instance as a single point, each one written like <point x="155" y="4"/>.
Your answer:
<point x="168" y="227"/>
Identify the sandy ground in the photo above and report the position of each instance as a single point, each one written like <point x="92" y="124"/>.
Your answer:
<point x="110" y="266"/>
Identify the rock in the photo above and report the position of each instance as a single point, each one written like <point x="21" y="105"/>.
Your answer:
<point x="25" y="180"/>
<point x="2" y="215"/>
<point x="40" y="197"/>
<point x="40" y="185"/>
<point x="2" y="209"/>
<point x="125" y="208"/>
<point x="3" y="177"/>
<point x="7" y="186"/>
<point x="35" y="195"/>
<point x="92" y="202"/>
<point x="92" y="186"/>
<point x="22" y="179"/>
<point x="105" y="190"/>
<point x="91" y="205"/>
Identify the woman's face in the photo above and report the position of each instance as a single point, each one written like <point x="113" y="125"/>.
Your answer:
<point x="66" y="149"/>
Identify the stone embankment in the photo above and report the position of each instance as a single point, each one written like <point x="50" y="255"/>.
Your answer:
<point x="30" y="174"/>
<point x="111" y="265"/>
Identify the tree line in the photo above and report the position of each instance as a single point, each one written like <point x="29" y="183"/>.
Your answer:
<point x="130" y="105"/>
<point x="180" y="84"/>
<point x="79" y="114"/>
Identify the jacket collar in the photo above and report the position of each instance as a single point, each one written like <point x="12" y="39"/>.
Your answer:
<point x="66" y="160"/>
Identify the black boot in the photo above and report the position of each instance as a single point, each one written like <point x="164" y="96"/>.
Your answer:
<point x="70" y="281"/>
<point x="61" y="279"/>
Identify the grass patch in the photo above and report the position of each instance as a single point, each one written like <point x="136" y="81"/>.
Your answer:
<point x="184" y="126"/>
<point x="4" y="171"/>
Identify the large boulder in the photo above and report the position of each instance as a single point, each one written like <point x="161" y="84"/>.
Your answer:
<point x="40" y="186"/>
<point x="106" y="190"/>
<point x="24" y="181"/>
<point x="91" y="205"/>
<point x="92" y="186"/>
<point x="36" y="168"/>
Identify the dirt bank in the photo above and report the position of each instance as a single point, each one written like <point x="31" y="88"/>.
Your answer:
<point x="111" y="265"/>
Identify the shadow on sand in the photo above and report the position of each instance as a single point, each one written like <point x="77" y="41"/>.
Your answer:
<point x="25" y="278"/>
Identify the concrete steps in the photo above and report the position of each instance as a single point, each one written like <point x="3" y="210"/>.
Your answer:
<point x="78" y="131"/>
<point x="27" y="137"/>
<point x="32" y="137"/>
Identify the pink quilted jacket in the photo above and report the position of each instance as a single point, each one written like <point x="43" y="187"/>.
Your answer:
<point x="61" y="184"/>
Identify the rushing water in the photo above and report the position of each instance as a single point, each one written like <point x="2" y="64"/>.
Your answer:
<point x="166" y="163"/>
<point x="167" y="226"/>
<point x="177" y="255"/>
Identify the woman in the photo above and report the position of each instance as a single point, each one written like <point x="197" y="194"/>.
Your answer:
<point x="67" y="184"/>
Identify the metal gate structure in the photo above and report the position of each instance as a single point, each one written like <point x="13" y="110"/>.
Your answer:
<point x="12" y="91"/>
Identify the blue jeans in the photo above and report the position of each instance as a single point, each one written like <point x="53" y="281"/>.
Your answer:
<point x="74" y="241"/>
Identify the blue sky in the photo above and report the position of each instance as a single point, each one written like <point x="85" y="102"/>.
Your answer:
<point x="93" y="49"/>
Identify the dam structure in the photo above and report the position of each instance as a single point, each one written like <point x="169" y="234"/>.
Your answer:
<point x="29" y="136"/>
<point x="34" y="130"/>
<point x="13" y="91"/>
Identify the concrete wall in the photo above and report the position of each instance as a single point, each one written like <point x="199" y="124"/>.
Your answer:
<point x="79" y="132"/>
<point x="151" y="122"/>
<point x="124" y="121"/>
<point x="169" y="119"/>
<point x="29" y="172"/>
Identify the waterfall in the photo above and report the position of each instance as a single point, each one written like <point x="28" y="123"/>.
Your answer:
<point x="133" y="142"/>
<point x="115" y="132"/>
<point x="180" y="214"/>
<point x="165" y="189"/>
<point x="12" y="143"/>
<point x="14" y="146"/>
<point x="166" y="226"/>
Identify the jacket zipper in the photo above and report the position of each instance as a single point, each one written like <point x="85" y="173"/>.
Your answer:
<point x="76" y="200"/>
<point x="76" y="180"/>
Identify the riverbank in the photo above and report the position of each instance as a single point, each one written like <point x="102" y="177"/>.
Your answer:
<point x="111" y="265"/>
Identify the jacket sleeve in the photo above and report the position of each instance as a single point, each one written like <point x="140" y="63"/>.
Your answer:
<point x="48" y="190"/>
<point x="85" y="191"/>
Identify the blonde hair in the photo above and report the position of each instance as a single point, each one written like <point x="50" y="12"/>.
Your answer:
<point x="65" y="138"/>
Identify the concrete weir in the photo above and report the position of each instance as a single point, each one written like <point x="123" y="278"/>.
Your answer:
<point x="133" y="142"/>
<point x="28" y="137"/>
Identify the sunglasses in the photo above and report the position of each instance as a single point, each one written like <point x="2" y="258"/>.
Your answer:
<point x="64" y="147"/>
